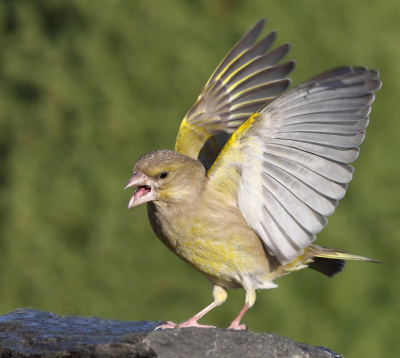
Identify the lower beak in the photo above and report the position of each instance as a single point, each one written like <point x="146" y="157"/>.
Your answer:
<point x="144" y="191"/>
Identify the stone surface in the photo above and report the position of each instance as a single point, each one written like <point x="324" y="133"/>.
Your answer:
<point x="30" y="333"/>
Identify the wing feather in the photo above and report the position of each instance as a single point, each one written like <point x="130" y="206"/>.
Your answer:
<point x="332" y="170"/>
<point x="329" y="117"/>
<point x="307" y="195"/>
<point x="259" y="63"/>
<point x="289" y="225"/>
<point x="311" y="221"/>
<point x="314" y="180"/>
<point x="243" y="44"/>
<point x="342" y="155"/>
<point x="286" y="167"/>
<point x="272" y="231"/>
<point x="341" y="128"/>
<point x="348" y="140"/>
<point x="246" y="79"/>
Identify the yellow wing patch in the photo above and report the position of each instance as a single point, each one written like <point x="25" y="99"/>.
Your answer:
<point x="224" y="173"/>
<point x="190" y="139"/>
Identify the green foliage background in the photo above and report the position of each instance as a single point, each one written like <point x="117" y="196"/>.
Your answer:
<point x="86" y="87"/>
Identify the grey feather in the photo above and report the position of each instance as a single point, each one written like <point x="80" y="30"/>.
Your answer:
<point x="302" y="106"/>
<point x="307" y="136"/>
<point x="319" y="183"/>
<point x="336" y="128"/>
<point x="339" y="172"/>
<point x="266" y="91"/>
<point x="310" y="220"/>
<point x="244" y="43"/>
<point x="250" y="54"/>
<point x="273" y="57"/>
<point x="313" y="199"/>
<point x="337" y="154"/>
<point x="329" y="117"/>
<point x="344" y="141"/>
<point x="272" y="234"/>
<point x="269" y="74"/>
<point x="245" y="80"/>
<point x="285" y="222"/>
<point x="261" y="63"/>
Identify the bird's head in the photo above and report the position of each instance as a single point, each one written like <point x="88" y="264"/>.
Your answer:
<point x="166" y="176"/>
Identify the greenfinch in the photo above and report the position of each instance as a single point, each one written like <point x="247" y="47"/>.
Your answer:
<point x="256" y="170"/>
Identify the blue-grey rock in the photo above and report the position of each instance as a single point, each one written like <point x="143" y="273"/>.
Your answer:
<point x="30" y="333"/>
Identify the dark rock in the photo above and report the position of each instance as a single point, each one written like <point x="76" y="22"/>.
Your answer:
<point x="30" y="333"/>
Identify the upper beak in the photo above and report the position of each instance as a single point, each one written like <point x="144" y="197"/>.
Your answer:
<point x="144" y="191"/>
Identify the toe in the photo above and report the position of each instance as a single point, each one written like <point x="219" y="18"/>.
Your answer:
<point x="193" y="324"/>
<point x="238" y="327"/>
<point x="166" y="325"/>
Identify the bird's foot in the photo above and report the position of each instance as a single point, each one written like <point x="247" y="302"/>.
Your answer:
<point x="166" y="325"/>
<point x="189" y="323"/>
<point x="238" y="327"/>
<point x="236" y="322"/>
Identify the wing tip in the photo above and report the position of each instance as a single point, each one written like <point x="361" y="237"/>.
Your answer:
<point x="255" y="30"/>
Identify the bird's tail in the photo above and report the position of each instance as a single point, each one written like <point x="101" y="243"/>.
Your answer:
<point x="331" y="261"/>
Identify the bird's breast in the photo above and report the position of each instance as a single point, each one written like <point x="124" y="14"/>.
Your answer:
<point x="216" y="243"/>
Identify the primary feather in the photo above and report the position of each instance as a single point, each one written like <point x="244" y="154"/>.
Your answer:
<point x="244" y="81"/>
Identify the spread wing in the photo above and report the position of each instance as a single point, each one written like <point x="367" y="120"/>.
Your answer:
<point x="244" y="81"/>
<point x="286" y="166"/>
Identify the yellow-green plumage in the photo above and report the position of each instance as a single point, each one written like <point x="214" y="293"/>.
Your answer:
<point x="204" y="227"/>
<point x="255" y="172"/>
<point x="198" y="223"/>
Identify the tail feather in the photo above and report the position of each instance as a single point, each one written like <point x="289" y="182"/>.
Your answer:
<point x="321" y="251"/>
<point x="328" y="267"/>
<point x="331" y="261"/>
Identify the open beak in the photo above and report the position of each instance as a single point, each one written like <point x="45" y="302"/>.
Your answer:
<point x="144" y="191"/>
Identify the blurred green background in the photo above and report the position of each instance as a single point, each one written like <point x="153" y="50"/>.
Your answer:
<point x="86" y="87"/>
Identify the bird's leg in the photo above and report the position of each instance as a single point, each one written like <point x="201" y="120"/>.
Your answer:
<point x="250" y="299"/>
<point x="219" y="294"/>
<point x="192" y="322"/>
<point x="236" y="322"/>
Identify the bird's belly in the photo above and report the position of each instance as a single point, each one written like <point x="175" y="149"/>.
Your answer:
<point x="223" y="262"/>
<point x="222" y="258"/>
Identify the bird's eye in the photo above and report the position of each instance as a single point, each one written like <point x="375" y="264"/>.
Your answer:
<point x="163" y="175"/>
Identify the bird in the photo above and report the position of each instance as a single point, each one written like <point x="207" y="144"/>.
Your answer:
<point x="257" y="168"/>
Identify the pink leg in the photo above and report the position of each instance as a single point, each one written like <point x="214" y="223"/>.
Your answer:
<point x="236" y="322"/>
<point x="191" y="322"/>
